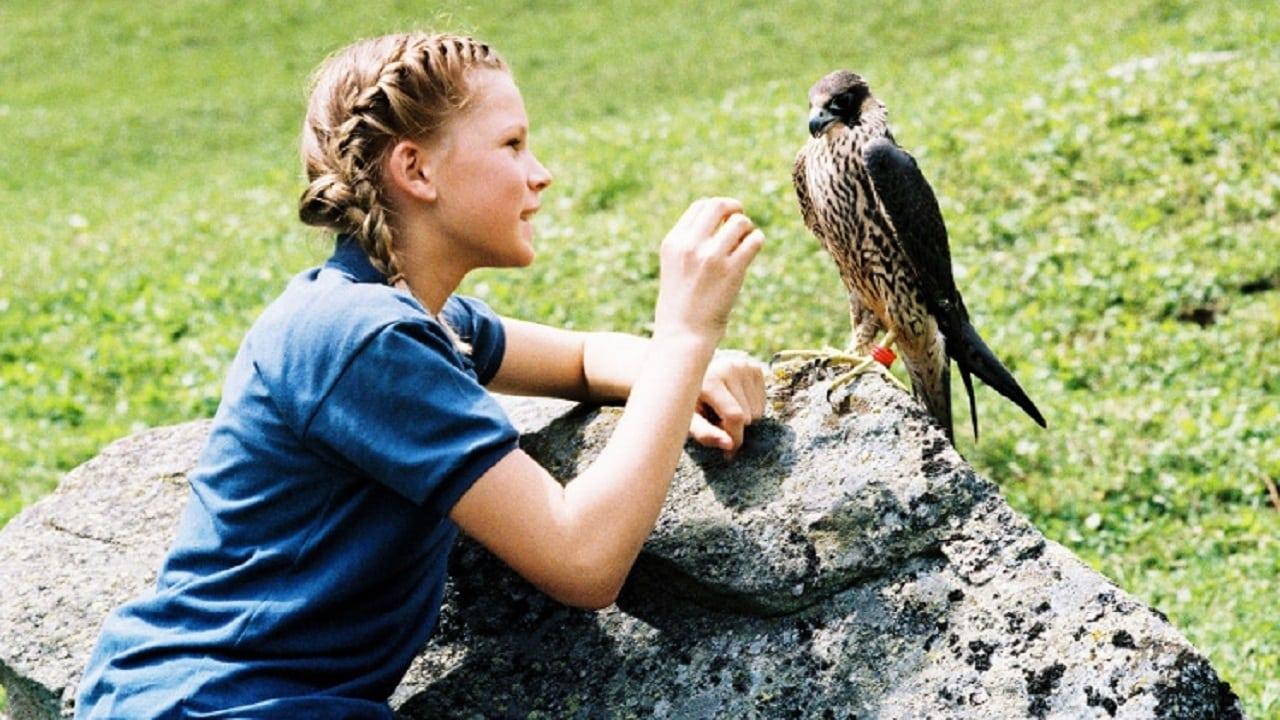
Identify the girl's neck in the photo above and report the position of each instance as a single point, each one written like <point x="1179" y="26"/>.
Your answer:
<point x="432" y="283"/>
<point x="424" y="253"/>
<point x="431" y="289"/>
<point x="429" y="272"/>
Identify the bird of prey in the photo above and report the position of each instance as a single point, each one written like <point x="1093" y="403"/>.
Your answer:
<point x="874" y="212"/>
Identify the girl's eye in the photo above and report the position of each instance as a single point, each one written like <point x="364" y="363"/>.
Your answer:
<point x="514" y="143"/>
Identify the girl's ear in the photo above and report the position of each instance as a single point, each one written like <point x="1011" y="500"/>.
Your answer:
<point x="410" y="171"/>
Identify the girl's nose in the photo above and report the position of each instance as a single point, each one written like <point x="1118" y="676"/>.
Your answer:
<point x="539" y="176"/>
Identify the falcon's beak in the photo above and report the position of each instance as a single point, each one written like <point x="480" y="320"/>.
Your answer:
<point x="819" y="120"/>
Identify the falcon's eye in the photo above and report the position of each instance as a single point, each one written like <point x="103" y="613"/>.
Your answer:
<point x="849" y="102"/>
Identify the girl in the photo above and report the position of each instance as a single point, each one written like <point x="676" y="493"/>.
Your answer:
<point x="355" y="436"/>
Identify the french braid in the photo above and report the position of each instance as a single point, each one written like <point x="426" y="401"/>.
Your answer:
<point x="364" y="99"/>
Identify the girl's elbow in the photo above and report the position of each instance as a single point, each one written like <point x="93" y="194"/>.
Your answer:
<point x="590" y="599"/>
<point x="590" y="586"/>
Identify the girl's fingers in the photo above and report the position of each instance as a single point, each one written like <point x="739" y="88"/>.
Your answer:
<point x="712" y="213"/>
<point x="703" y="265"/>
<point x="731" y="234"/>
<point x="750" y="379"/>
<point x="743" y="391"/>
<point x="746" y="250"/>
<point x="706" y="434"/>
<point x="757" y="392"/>
<point x="731" y="399"/>
<point x="690" y="213"/>
<point x="730" y="409"/>
<point x="680" y="229"/>
<point x="748" y="387"/>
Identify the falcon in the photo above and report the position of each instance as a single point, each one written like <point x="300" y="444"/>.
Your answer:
<point x="874" y="212"/>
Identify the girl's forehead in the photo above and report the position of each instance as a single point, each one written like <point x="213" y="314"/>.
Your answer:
<point x="495" y="107"/>
<point x="495" y="91"/>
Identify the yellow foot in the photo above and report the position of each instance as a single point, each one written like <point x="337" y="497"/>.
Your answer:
<point x="808" y="354"/>
<point x="829" y="356"/>
<point x="865" y="364"/>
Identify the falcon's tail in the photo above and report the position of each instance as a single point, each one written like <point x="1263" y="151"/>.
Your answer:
<point x="973" y="406"/>
<point x="974" y="356"/>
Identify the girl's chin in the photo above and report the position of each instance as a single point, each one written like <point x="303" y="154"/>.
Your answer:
<point x="527" y="245"/>
<point x="522" y="255"/>
<point x="528" y="258"/>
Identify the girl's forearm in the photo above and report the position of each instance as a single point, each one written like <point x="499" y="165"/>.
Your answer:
<point x="611" y="362"/>
<point x="614" y="503"/>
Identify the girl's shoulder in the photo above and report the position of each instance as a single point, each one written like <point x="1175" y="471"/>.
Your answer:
<point x="323" y="312"/>
<point x="324" y="321"/>
<point x="324" y="327"/>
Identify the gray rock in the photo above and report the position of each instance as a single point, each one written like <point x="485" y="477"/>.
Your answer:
<point x="70" y="558"/>
<point x="847" y="563"/>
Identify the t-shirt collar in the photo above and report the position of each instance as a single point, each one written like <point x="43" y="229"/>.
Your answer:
<point x="349" y="257"/>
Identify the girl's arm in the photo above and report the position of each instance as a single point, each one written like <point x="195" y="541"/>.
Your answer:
<point x="551" y="362"/>
<point x="577" y="542"/>
<point x="602" y="367"/>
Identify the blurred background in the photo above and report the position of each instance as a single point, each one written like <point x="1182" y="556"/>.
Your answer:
<point x="1109" y="174"/>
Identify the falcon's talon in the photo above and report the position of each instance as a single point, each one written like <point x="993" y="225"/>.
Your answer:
<point x="896" y="381"/>
<point x="868" y="365"/>
<point x="827" y="356"/>
<point x="805" y="354"/>
<point x="860" y="362"/>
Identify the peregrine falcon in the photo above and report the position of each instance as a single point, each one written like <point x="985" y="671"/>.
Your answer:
<point x="870" y="206"/>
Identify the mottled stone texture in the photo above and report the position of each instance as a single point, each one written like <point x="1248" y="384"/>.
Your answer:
<point x="847" y="563"/>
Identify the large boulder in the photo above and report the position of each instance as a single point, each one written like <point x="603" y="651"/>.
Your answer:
<point x="847" y="563"/>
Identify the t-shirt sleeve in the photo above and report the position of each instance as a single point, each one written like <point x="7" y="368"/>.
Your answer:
<point x="480" y="327"/>
<point x="405" y="413"/>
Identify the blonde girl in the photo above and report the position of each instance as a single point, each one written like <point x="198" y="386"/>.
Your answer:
<point x="356" y="433"/>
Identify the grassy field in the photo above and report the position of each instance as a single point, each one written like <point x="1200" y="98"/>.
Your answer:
<point x="1109" y="173"/>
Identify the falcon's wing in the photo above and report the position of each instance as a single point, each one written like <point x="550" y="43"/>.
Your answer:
<point x="913" y="210"/>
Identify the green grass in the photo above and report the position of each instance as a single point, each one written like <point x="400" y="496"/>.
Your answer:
<point x="148" y="177"/>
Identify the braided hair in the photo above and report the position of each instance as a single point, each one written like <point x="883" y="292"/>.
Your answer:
<point x="364" y="99"/>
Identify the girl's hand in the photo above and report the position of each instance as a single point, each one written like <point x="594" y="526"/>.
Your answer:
<point x="732" y="397"/>
<point x="704" y="260"/>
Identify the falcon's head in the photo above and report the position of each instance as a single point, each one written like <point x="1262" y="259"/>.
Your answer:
<point x="840" y="96"/>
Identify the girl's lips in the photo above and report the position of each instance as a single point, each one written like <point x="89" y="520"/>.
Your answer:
<point x="530" y="213"/>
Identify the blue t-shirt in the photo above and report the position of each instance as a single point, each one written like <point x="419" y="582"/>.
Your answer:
<point x="309" y="563"/>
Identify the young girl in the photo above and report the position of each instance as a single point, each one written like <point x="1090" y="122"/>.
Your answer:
<point x="355" y="435"/>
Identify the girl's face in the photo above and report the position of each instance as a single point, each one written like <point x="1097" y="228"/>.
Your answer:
<point x="489" y="183"/>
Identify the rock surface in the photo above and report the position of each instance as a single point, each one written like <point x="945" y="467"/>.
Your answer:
<point x="847" y="563"/>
